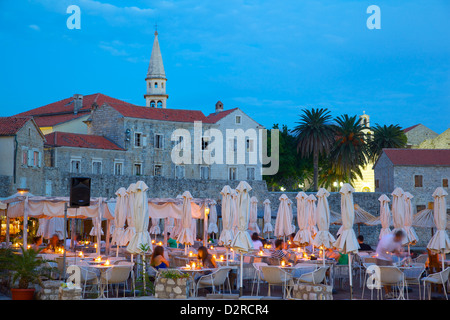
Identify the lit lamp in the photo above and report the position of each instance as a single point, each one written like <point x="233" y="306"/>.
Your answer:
<point x="28" y="246"/>
<point x="193" y="265"/>
<point x="214" y="256"/>
<point x="160" y="243"/>
<point x="95" y="245"/>
<point x="107" y="262"/>
<point x="221" y="258"/>
<point x="212" y="247"/>
<point x="23" y="191"/>
<point x="98" y="259"/>
<point x="81" y="254"/>
<point x="283" y="264"/>
<point x="153" y="241"/>
<point x="260" y="252"/>
<point x="190" y="253"/>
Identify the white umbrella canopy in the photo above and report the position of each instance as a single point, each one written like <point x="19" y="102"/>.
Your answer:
<point x="49" y="227"/>
<point x="267" y="217"/>
<point x="242" y="241"/>
<point x="186" y="236"/>
<point x="140" y="218"/>
<point x="398" y="211"/>
<point x="120" y="216"/>
<point x="170" y="225"/>
<point x="155" y="229"/>
<point x="347" y="242"/>
<point x="130" y="231"/>
<point x="226" y="236"/>
<point x="440" y="242"/>
<point x="283" y="223"/>
<point x="303" y="235"/>
<point x="410" y="232"/>
<point x="96" y="229"/>
<point x="323" y="236"/>
<point x="311" y="213"/>
<point x="212" y="226"/>
<point x="291" y="215"/>
<point x="253" y="226"/>
<point x="234" y="208"/>
<point x="385" y="215"/>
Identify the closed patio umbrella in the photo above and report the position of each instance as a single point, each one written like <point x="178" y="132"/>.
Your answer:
<point x="242" y="243"/>
<point x="303" y="235"/>
<point x="346" y="242"/>
<point x="96" y="230"/>
<point x="226" y="236"/>
<point x="311" y="212"/>
<point x="398" y="212"/>
<point x="141" y="219"/>
<point x="283" y="223"/>
<point x="440" y="242"/>
<point x="253" y="226"/>
<point x="120" y="216"/>
<point x="234" y="206"/>
<point x="186" y="236"/>
<point x="385" y="215"/>
<point x="267" y="217"/>
<point x="323" y="236"/>
<point x="291" y="215"/>
<point x="130" y="231"/>
<point x="409" y="230"/>
<point x="212" y="226"/>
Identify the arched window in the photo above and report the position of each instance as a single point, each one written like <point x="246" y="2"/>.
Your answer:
<point x="152" y="104"/>
<point x="162" y="85"/>
<point x="149" y="84"/>
<point x="156" y="84"/>
<point x="159" y="104"/>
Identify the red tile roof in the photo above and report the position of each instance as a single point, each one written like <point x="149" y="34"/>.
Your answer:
<point x="410" y="128"/>
<point x="66" y="139"/>
<point x="214" y="117"/>
<point x="11" y="125"/>
<point x="62" y="111"/>
<point x="176" y="115"/>
<point x="419" y="157"/>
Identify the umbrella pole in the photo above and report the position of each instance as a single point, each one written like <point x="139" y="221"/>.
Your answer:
<point x="241" y="276"/>
<point x="443" y="258"/>
<point x="350" y="275"/>
<point x="227" y="255"/>
<point x="323" y="256"/>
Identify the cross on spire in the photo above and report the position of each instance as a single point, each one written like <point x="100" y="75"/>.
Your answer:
<point x="156" y="29"/>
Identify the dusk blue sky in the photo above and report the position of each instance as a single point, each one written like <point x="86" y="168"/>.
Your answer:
<point x="269" y="58"/>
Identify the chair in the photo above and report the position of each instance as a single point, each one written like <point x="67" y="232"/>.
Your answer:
<point x="436" y="278"/>
<point x="274" y="261"/>
<point x="216" y="278"/>
<point x="89" y="276"/>
<point x="258" y="275"/>
<point x="413" y="275"/>
<point x="393" y="276"/>
<point x="275" y="276"/>
<point x="180" y="261"/>
<point x="116" y="275"/>
<point x="369" y="260"/>
<point x="423" y="258"/>
<point x="315" y="277"/>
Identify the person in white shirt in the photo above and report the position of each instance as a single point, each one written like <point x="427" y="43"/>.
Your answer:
<point x="257" y="244"/>
<point x="389" y="245"/>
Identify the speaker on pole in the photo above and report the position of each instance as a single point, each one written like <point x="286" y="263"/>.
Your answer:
<point x="80" y="192"/>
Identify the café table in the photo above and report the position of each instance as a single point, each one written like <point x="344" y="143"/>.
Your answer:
<point x="103" y="269"/>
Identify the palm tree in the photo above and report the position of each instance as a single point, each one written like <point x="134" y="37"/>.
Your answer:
<point x="314" y="135"/>
<point x="350" y="150"/>
<point x="391" y="136"/>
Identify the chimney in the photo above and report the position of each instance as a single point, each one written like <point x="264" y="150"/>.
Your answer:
<point x="77" y="102"/>
<point x="219" y="106"/>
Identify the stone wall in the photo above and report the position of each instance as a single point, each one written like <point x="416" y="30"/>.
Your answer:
<point x="49" y="290"/>
<point x="312" y="292"/>
<point x="171" y="288"/>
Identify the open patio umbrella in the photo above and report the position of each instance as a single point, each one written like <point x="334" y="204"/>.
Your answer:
<point x="398" y="212"/>
<point x="253" y="226"/>
<point x="361" y="217"/>
<point x="311" y="212"/>
<point x="303" y="235"/>
<point x="323" y="236"/>
<point x="120" y="216"/>
<point x="346" y="242"/>
<point x="425" y="219"/>
<point x="242" y="243"/>
<point x="212" y="226"/>
<point x="440" y="243"/>
<point x="186" y="236"/>
<point x="409" y="230"/>
<point x="141" y="219"/>
<point x="283" y="223"/>
<point x="267" y="217"/>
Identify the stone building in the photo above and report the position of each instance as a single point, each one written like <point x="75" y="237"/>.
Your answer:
<point x="442" y="141"/>
<point x="21" y="155"/>
<point x="417" y="134"/>
<point x="418" y="171"/>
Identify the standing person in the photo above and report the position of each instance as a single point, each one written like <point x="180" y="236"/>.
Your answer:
<point x="362" y="245"/>
<point x="257" y="243"/>
<point x="158" y="261"/>
<point x="389" y="245"/>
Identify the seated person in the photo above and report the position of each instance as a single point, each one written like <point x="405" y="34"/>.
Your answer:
<point x="206" y="258"/>
<point x="172" y="243"/>
<point x="279" y="253"/>
<point x="292" y="244"/>
<point x="37" y="241"/>
<point x="53" y="243"/>
<point x="158" y="261"/>
<point x="257" y="244"/>
<point x="340" y="258"/>
<point x="362" y="245"/>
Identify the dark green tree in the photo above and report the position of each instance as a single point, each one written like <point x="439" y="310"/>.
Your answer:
<point x="391" y="136"/>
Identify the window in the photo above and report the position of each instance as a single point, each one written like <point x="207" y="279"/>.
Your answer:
<point x="156" y="84"/>
<point x="75" y="165"/>
<point x="250" y="173"/>
<point x="232" y="173"/>
<point x="162" y="85"/>
<point x="250" y="145"/>
<point x="24" y="157"/>
<point x="179" y="172"/>
<point x="420" y="207"/>
<point x="138" y="139"/>
<point x="445" y="183"/>
<point x="137" y="169"/>
<point x="149" y="84"/>
<point x="35" y="158"/>
<point x="232" y="145"/>
<point x="152" y="104"/>
<point x="159" y="141"/>
<point x="96" y="167"/>
<point x="118" y="168"/>
<point x="158" y="170"/>
<point x="159" y="104"/>
<point x="377" y="183"/>
<point x="238" y="119"/>
<point x="204" y="173"/>
<point x="179" y="143"/>
<point x="205" y="143"/>
<point x="418" y="181"/>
